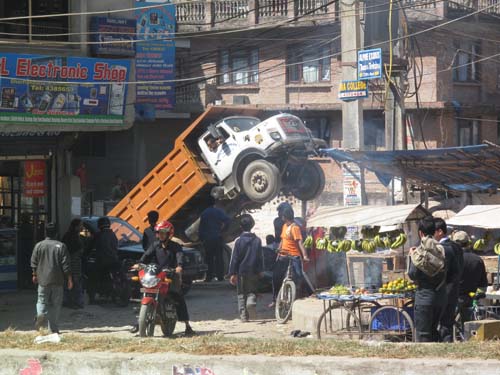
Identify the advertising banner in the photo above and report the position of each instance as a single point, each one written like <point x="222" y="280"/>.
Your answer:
<point x="155" y="56"/>
<point x="352" y="90"/>
<point x="114" y="35"/>
<point x="34" y="178"/>
<point x="352" y="185"/>
<point x="36" y="89"/>
<point x="370" y="64"/>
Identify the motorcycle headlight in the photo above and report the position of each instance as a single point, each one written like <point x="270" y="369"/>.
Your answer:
<point x="149" y="281"/>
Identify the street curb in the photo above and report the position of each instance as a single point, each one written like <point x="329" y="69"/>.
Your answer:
<point x="104" y="363"/>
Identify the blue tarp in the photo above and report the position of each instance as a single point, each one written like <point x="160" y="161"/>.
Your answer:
<point x="469" y="168"/>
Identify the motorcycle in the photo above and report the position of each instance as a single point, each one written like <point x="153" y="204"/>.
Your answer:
<point x="156" y="304"/>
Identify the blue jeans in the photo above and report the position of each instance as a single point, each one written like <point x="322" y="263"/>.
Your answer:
<point x="49" y="304"/>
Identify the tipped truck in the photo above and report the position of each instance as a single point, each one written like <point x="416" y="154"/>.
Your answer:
<point x="251" y="163"/>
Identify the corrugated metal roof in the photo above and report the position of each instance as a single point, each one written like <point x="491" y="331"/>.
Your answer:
<point x="328" y="217"/>
<point x="470" y="168"/>
<point x="480" y="216"/>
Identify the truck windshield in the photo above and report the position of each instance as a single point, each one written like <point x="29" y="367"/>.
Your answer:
<point x="241" y="124"/>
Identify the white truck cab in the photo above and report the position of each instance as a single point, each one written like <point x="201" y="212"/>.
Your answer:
<point x="260" y="158"/>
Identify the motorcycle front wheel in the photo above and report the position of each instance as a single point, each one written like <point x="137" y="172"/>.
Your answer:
<point x="147" y="320"/>
<point x="168" y="319"/>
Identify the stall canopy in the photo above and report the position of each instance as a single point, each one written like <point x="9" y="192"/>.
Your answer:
<point x="327" y="216"/>
<point x="480" y="216"/>
<point x="470" y="168"/>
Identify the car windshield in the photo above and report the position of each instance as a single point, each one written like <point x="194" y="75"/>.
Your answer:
<point x="126" y="233"/>
<point x="241" y="124"/>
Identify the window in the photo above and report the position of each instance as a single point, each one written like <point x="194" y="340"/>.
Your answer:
<point x="22" y="29"/>
<point x="320" y="127"/>
<point x="91" y="145"/>
<point x="469" y="132"/>
<point x="239" y="67"/>
<point x="308" y="65"/>
<point x="374" y="132"/>
<point x="466" y="66"/>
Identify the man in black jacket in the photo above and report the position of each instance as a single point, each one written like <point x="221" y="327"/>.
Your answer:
<point x="246" y="267"/>
<point x="430" y="296"/>
<point x="455" y="258"/>
<point x="168" y="254"/>
<point x="149" y="236"/>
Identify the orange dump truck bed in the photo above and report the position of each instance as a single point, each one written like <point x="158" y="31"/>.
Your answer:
<point x="178" y="186"/>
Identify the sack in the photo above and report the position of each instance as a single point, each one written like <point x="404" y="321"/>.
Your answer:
<point x="429" y="257"/>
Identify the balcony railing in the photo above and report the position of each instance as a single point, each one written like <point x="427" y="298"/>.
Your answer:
<point x="220" y="14"/>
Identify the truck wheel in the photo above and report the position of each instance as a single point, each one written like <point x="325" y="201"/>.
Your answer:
<point x="261" y="181"/>
<point x="310" y="183"/>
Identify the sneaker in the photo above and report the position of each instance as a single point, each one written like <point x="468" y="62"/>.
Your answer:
<point x="189" y="331"/>
<point x="135" y="328"/>
<point x="40" y="321"/>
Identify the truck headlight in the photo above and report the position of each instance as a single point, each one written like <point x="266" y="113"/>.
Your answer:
<point x="275" y="136"/>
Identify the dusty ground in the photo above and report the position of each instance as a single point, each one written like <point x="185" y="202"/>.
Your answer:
<point x="212" y="306"/>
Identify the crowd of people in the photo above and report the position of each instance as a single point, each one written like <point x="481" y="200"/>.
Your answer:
<point x="443" y="266"/>
<point x="446" y="271"/>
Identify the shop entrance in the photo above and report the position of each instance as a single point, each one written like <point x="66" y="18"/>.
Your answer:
<point x="23" y="212"/>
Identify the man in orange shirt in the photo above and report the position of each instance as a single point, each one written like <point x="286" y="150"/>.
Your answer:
<point x="290" y="246"/>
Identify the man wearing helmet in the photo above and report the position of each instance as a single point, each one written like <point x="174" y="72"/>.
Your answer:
<point x="166" y="253"/>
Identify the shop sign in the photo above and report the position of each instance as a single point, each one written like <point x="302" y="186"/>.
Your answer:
<point x="37" y="89"/>
<point x="370" y="64"/>
<point x="34" y="178"/>
<point x="352" y="90"/>
<point x="155" y="56"/>
<point x="112" y="36"/>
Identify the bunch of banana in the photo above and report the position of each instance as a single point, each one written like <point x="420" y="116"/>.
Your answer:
<point x="400" y="241"/>
<point x="378" y="241"/>
<point x="368" y="246"/>
<point x="497" y="249"/>
<point x="332" y="247"/>
<point x="387" y="242"/>
<point x="369" y="232"/>
<point x="479" y="244"/>
<point x="308" y="242"/>
<point x="322" y="243"/>
<point x="338" y="232"/>
<point x="344" y="245"/>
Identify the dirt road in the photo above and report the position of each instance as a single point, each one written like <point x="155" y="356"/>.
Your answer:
<point x="212" y="306"/>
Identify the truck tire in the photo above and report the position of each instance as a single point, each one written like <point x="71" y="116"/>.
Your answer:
<point x="261" y="181"/>
<point x="310" y="183"/>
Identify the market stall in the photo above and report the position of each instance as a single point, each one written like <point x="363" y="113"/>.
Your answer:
<point x="362" y="246"/>
<point x="481" y="222"/>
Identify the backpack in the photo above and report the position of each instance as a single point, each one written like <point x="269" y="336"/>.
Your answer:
<point x="429" y="256"/>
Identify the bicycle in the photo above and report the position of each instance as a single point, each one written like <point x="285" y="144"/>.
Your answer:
<point x="287" y="294"/>
<point x="477" y="312"/>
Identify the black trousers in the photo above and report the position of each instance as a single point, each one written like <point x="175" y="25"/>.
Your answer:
<point x="181" y="307"/>
<point x="448" y="314"/>
<point x="213" y="253"/>
<point x="426" y="322"/>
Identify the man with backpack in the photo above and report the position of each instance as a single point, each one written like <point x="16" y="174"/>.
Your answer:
<point x="428" y="270"/>
<point x="455" y="256"/>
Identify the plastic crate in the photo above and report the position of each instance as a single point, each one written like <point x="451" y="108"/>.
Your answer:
<point x="388" y="319"/>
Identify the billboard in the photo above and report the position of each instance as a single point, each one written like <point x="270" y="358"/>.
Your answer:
<point x="112" y="36"/>
<point x="38" y="89"/>
<point x="351" y="90"/>
<point x="155" y="56"/>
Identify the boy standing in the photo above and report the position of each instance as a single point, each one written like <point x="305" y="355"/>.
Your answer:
<point x="246" y="268"/>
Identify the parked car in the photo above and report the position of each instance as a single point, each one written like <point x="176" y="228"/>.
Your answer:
<point x="130" y="248"/>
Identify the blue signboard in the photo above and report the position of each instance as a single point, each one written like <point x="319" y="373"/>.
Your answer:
<point x="370" y="64"/>
<point x="37" y="89"/>
<point x="112" y="36"/>
<point x="155" y="56"/>
<point x="352" y="90"/>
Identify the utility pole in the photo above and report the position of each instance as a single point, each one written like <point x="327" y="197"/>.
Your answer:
<point x="395" y="115"/>
<point x="352" y="111"/>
